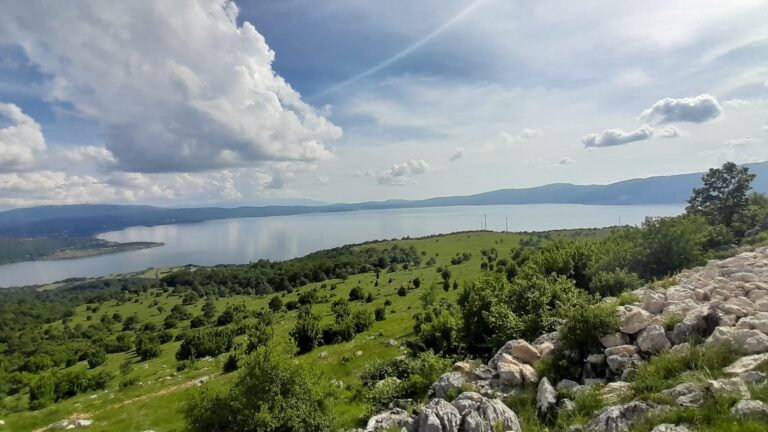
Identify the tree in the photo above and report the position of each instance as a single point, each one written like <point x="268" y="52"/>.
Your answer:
<point x="209" y="309"/>
<point x="723" y="196"/>
<point x="147" y="346"/>
<point x="272" y="393"/>
<point x="96" y="357"/>
<point x="307" y="332"/>
<point x="275" y="304"/>
<point x="356" y="293"/>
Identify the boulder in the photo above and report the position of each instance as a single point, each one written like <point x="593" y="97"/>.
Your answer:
<point x="619" y="362"/>
<point x="614" y="339"/>
<point x="596" y="359"/>
<point x="566" y="384"/>
<point x="683" y="390"/>
<point x="632" y="319"/>
<point x="744" y="341"/>
<point x="753" y="377"/>
<point x="59" y="425"/>
<point x="750" y="409"/>
<point x="83" y="423"/>
<point x="697" y="323"/>
<point x="395" y="418"/>
<point x="546" y="397"/>
<point x="523" y="351"/>
<point x="392" y="342"/>
<point x="462" y="367"/>
<point x="619" y="418"/>
<point x="566" y="405"/>
<point x="729" y="387"/>
<point x="447" y="383"/>
<point x="545" y="349"/>
<point x="759" y="321"/>
<point x="498" y="416"/>
<point x="652" y="339"/>
<point x="628" y="350"/>
<point x="668" y="427"/>
<point x="468" y="401"/>
<point x="654" y="301"/>
<point x="438" y="416"/>
<point x="508" y="372"/>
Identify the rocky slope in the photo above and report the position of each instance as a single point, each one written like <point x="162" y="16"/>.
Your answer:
<point x="724" y="304"/>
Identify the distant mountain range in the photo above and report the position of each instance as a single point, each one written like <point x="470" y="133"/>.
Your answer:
<point x="90" y="219"/>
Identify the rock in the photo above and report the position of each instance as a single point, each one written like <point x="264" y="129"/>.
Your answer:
<point x="545" y="349"/>
<point x="451" y="381"/>
<point x="438" y="416"/>
<point x="697" y="323"/>
<point x="462" y="367"/>
<point x="613" y="392"/>
<point x="627" y="350"/>
<point x="323" y="355"/>
<point x="614" y="339"/>
<point x="682" y="349"/>
<point x="691" y="400"/>
<point x="83" y="423"/>
<point x="358" y="353"/>
<point x="482" y="373"/>
<point x="632" y="319"/>
<point x="730" y="387"/>
<point x="750" y="409"/>
<point x="753" y="377"/>
<point x="498" y="416"/>
<point x="743" y="277"/>
<point x="59" y="425"/>
<point x="617" y="418"/>
<point x="529" y="374"/>
<point x="593" y="382"/>
<point x="683" y="389"/>
<point x="566" y="405"/>
<point x="652" y="339"/>
<point x="654" y="301"/>
<point x="403" y="404"/>
<point x="596" y="359"/>
<point x="2" y="423"/>
<point x="618" y="363"/>
<point x="481" y="414"/>
<point x="744" y="341"/>
<point x="757" y="322"/>
<point x="395" y="418"/>
<point x="523" y="351"/>
<point x="566" y="384"/>
<point x="668" y="427"/>
<point x="508" y="372"/>
<point x="546" y="397"/>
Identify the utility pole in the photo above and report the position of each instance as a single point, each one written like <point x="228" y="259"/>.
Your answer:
<point x="485" y="222"/>
<point x="506" y="224"/>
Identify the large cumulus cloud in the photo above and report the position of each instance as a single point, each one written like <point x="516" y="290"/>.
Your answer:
<point x="21" y="141"/>
<point x="177" y="87"/>
<point x="698" y="109"/>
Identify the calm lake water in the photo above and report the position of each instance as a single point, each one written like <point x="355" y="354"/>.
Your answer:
<point x="233" y="241"/>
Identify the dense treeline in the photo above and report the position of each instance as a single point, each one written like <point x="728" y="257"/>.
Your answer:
<point x="264" y="276"/>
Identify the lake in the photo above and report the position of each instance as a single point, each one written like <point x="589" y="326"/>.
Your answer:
<point x="235" y="241"/>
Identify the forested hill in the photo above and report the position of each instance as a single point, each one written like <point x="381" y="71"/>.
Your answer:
<point x="86" y="220"/>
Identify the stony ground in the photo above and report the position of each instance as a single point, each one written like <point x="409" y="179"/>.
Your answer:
<point x="723" y="304"/>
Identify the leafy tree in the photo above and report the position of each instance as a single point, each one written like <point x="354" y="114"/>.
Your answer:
<point x="308" y="297"/>
<point x="96" y="357"/>
<point x="258" y="335"/>
<point x="272" y="393"/>
<point x="275" y="304"/>
<point x="380" y="313"/>
<point x="209" y="309"/>
<point x="306" y="333"/>
<point x="147" y="346"/>
<point x="402" y="292"/>
<point x="356" y="293"/>
<point x="206" y="343"/>
<point x="723" y="196"/>
<point x="416" y="282"/>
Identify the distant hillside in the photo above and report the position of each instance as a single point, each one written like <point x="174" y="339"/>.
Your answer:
<point x="87" y="219"/>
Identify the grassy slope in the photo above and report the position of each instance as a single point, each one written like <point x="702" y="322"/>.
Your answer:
<point x="156" y="402"/>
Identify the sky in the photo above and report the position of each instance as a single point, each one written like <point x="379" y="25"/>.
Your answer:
<point x="214" y="102"/>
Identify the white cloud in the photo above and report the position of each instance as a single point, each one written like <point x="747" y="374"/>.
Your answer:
<point x="743" y="141"/>
<point x="614" y="137"/>
<point x="175" y="88"/>
<point x="698" y="109"/>
<point x="565" y="161"/>
<point x="524" y="135"/>
<point x="21" y="140"/>
<point x="400" y="173"/>
<point x="670" y="132"/>
<point x="458" y="154"/>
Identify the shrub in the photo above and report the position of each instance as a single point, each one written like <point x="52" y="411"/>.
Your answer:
<point x="231" y="363"/>
<point x="306" y="333"/>
<point x="275" y="304"/>
<point x="271" y="393"/>
<point x="96" y="357"/>
<point x="402" y="292"/>
<point x="211" y="342"/>
<point x="380" y="314"/>
<point x="356" y="293"/>
<point x="583" y="324"/>
<point x="613" y="283"/>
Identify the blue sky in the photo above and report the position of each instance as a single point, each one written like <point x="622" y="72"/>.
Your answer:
<point x="254" y="102"/>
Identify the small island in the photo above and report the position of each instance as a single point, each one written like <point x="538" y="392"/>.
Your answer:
<point x="15" y="249"/>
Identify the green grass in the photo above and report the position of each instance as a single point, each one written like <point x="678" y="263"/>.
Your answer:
<point x="155" y="401"/>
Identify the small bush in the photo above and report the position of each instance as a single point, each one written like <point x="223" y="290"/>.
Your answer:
<point x="584" y="324"/>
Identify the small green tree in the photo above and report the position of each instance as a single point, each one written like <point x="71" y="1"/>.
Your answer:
<point x="275" y="304"/>
<point x="307" y="332"/>
<point x="147" y="346"/>
<point x="723" y="196"/>
<point x="209" y="309"/>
